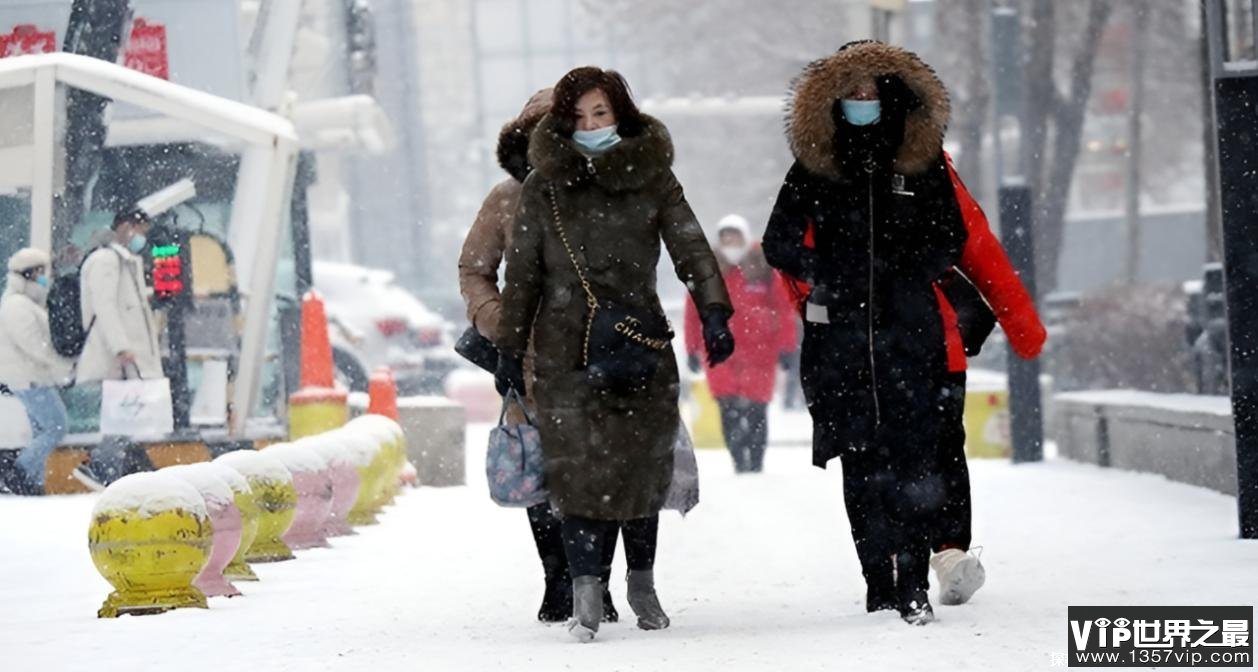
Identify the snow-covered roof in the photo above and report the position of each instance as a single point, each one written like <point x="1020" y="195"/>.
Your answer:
<point x="113" y="81"/>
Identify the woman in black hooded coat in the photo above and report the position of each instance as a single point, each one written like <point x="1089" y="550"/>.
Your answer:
<point x="868" y="217"/>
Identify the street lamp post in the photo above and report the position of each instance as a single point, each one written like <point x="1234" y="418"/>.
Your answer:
<point x="1026" y="416"/>
<point x="1234" y="75"/>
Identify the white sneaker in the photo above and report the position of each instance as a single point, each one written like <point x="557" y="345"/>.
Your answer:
<point x="960" y="575"/>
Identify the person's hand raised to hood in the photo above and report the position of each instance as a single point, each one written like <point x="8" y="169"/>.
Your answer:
<point x="898" y="100"/>
<point x="717" y="337"/>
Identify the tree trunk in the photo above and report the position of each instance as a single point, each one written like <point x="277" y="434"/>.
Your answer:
<point x="1041" y="93"/>
<point x="976" y="106"/>
<point x="1213" y="216"/>
<point x="1068" y="118"/>
<point x="1139" y="54"/>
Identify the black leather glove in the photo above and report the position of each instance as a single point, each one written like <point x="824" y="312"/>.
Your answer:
<point x="693" y="362"/>
<point x="717" y="337"/>
<point x="510" y="374"/>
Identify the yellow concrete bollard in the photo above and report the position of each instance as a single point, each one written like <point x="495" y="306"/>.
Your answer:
<point x="705" y="426"/>
<point x="242" y="494"/>
<point x="393" y="446"/>
<point x="150" y="537"/>
<point x="275" y="497"/>
<point x="362" y="450"/>
<point x="386" y="462"/>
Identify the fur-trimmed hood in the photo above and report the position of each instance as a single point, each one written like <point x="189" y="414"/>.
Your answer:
<point x="810" y="123"/>
<point x="629" y="166"/>
<point x="513" y="140"/>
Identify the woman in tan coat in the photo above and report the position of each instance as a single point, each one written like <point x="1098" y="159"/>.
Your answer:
<point x="592" y="216"/>
<point x="483" y="250"/>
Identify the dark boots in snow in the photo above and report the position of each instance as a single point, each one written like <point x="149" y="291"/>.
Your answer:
<point x="911" y="584"/>
<point x="644" y="602"/>
<point x="557" y="600"/>
<point x="587" y="608"/>
<point x="610" y="615"/>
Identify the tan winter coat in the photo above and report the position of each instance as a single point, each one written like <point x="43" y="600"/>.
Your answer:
<point x="116" y="310"/>
<point x="487" y="241"/>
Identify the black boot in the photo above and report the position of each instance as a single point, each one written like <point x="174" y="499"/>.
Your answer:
<point x="557" y="600"/>
<point x="610" y="615"/>
<point x="912" y="584"/>
<point x="881" y="597"/>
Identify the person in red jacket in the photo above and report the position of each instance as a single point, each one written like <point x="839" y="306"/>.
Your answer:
<point x="765" y="330"/>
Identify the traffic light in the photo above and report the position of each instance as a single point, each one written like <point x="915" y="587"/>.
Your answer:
<point x="168" y="270"/>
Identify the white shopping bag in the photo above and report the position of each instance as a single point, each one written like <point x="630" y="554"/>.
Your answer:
<point x="136" y="408"/>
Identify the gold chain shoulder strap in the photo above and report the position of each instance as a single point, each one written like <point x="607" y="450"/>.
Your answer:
<point x="590" y="300"/>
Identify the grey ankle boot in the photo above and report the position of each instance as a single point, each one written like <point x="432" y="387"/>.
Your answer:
<point x="644" y="602"/>
<point x="587" y="607"/>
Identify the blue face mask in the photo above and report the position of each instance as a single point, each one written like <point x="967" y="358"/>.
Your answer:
<point x="862" y="112"/>
<point x="137" y="243"/>
<point x="42" y="281"/>
<point x="596" y="142"/>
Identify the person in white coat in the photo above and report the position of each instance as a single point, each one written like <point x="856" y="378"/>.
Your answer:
<point x="30" y="369"/>
<point x="122" y="332"/>
<point x="121" y="328"/>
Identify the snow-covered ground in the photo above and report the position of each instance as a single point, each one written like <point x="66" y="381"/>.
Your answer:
<point x="762" y="576"/>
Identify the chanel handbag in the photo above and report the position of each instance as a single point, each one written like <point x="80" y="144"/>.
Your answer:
<point x="623" y="344"/>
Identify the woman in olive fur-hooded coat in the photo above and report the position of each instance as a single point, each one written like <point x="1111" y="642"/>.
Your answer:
<point x="607" y="457"/>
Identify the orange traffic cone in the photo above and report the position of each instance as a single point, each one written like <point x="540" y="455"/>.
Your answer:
<point x="319" y="406"/>
<point x="382" y="390"/>
<point x="316" y="347"/>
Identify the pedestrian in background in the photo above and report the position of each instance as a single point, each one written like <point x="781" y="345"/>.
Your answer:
<point x="764" y="326"/>
<point x="122" y="332"/>
<point x="30" y="369"/>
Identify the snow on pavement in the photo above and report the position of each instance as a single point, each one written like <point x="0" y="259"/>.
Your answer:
<point x="762" y="576"/>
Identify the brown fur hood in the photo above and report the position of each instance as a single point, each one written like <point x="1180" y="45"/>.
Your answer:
<point x="513" y="140"/>
<point x="629" y="166"/>
<point x="810" y="125"/>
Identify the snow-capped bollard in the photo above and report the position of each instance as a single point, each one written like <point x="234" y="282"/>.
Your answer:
<point x="242" y="496"/>
<point x="345" y="480"/>
<point x="387" y="462"/>
<point x="363" y="448"/>
<point x="224" y="518"/>
<point x="276" y="498"/>
<point x="314" y="493"/>
<point x="150" y="537"/>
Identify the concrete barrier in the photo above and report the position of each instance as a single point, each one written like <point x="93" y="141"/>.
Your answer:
<point x="436" y="441"/>
<point x="1186" y="438"/>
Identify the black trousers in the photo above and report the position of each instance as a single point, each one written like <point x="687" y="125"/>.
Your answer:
<point x="952" y="529"/>
<point x="586" y="542"/>
<point x="548" y="536"/>
<point x="745" y="424"/>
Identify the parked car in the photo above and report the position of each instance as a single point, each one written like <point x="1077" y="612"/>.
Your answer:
<point x="375" y="322"/>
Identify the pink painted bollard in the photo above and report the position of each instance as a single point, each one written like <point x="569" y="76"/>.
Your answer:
<point x="345" y="481"/>
<point x="224" y="518"/>
<point x="314" y="494"/>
